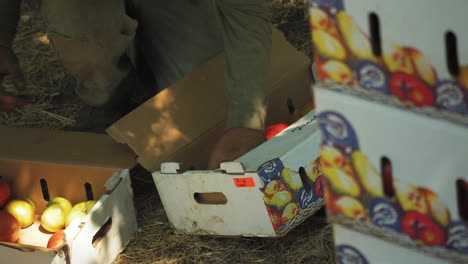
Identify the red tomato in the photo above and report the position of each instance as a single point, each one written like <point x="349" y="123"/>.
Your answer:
<point x="9" y="228"/>
<point x="4" y="192"/>
<point x="271" y="131"/>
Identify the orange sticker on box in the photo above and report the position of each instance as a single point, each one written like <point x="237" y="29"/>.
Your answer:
<point x="244" y="182"/>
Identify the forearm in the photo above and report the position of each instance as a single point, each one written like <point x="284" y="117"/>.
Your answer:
<point x="247" y="44"/>
<point x="9" y="14"/>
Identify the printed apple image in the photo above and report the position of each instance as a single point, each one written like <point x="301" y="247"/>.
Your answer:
<point x="423" y="68"/>
<point x="328" y="46"/>
<point x="320" y="21"/>
<point x="335" y="71"/>
<point x="356" y="40"/>
<point x="369" y="177"/>
<point x="350" y="207"/>
<point x="409" y="88"/>
<point x="410" y="197"/>
<point x="422" y="228"/>
<point x="462" y="78"/>
<point x="23" y="210"/>
<point x="333" y="158"/>
<point x="79" y="212"/>
<point x="438" y="209"/>
<point x="292" y="179"/>
<point x="5" y="192"/>
<point x="289" y="212"/>
<point x="274" y="217"/>
<point x="319" y="186"/>
<point x="396" y="59"/>
<point x="276" y="195"/>
<point x="10" y="228"/>
<point x="313" y="169"/>
<point x="273" y="130"/>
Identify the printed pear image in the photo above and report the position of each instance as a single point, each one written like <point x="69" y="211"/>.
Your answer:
<point x="292" y="179"/>
<point x="277" y="195"/>
<point x="439" y="210"/>
<point x="423" y="68"/>
<point x="410" y="197"/>
<point x="335" y="71"/>
<point x="350" y="207"/>
<point x="396" y="59"/>
<point x="289" y="212"/>
<point x="356" y="40"/>
<point x="320" y="21"/>
<point x="370" y="178"/>
<point x="328" y="46"/>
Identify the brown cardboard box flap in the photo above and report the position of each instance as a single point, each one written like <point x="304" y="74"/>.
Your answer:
<point x="193" y="106"/>
<point x="64" y="147"/>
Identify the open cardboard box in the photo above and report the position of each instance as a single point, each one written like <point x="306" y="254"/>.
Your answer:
<point x="181" y="125"/>
<point x="40" y="164"/>
<point x="394" y="122"/>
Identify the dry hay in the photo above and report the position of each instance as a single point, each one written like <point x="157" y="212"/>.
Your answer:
<point x="45" y="78"/>
<point x="54" y="106"/>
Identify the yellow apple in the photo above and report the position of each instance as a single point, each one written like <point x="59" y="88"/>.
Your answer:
<point x="276" y="195"/>
<point x="328" y="46"/>
<point x="350" y="207"/>
<point x="289" y="212"/>
<point x="292" y="179"/>
<point x="53" y="218"/>
<point x="358" y="43"/>
<point x="79" y="211"/>
<point x="410" y="197"/>
<point x="438" y="208"/>
<point x="62" y="202"/>
<point x="24" y="211"/>
<point x="422" y="66"/>
<point x="396" y="58"/>
<point x="370" y="178"/>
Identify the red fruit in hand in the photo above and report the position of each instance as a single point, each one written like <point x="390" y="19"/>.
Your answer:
<point x="422" y="227"/>
<point x="4" y="192"/>
<point x="409" y="88"/>
<point x="9" y="227"/>
<point x="56" y="240"/>
<point x="271" y="131"/>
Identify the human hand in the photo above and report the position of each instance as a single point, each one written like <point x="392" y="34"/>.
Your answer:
<point x="9" y="66"/>
<point x="233" y="144"/>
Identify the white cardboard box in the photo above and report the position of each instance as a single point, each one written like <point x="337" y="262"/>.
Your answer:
<point x="394" y="125"/>
<point x="67" y="161"/>
<point x="261" y="194"/>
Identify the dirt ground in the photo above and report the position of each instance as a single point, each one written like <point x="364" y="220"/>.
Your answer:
<point x="56" y="106"/>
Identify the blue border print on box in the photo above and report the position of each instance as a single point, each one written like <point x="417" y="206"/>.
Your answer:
<point x="330" y="3"/>
<point x="370" y="75"/>
<point x="347" y="254"/>
<point x="337" y="130"/>
<point x="450" y="96"/>
<point x="385" y="213"/>
<point x="457" y="239"/>
<point x="270" y="171"/>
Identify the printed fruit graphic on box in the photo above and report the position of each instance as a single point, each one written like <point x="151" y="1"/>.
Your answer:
<point x="287" y="199"/>
<point x="414" y="212"/>
<point x="23" y="210"/>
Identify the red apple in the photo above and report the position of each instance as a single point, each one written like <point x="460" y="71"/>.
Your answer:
<point x="409" y="88"/>
<point x="56" y="240"/>
<point x="273" y="130"/>
<point x="9" y="227"/>
<point x="4" y="192"/>
<point x="23" y="210"/>
<point x="423" y="228"/>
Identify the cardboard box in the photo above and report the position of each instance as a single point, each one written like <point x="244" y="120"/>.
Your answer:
<point x="182" y="123"/>
<point x="265" y="193"/>
<point x="393" y="117"/>
<point x="40" y="164"/>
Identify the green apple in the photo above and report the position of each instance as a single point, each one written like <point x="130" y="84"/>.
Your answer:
<point x="53" y="218"/>
<point x="79" y="211"/>
<point x="23" y="210"/>
<point x="62" y="202"/>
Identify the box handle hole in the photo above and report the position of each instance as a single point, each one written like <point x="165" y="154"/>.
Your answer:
<point x="462" y="198"/>
<point x="387" y="177"/>
<point x="305" y="180"/>
<point x="451" y="51"/>
<point x="102" y="232"/>
<point x="89" y="191"/>
<point x="44" y="189"/>
<point x="374" y="27"/>
<point x="291" y="107"/>
<point x="210" y="198"/>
